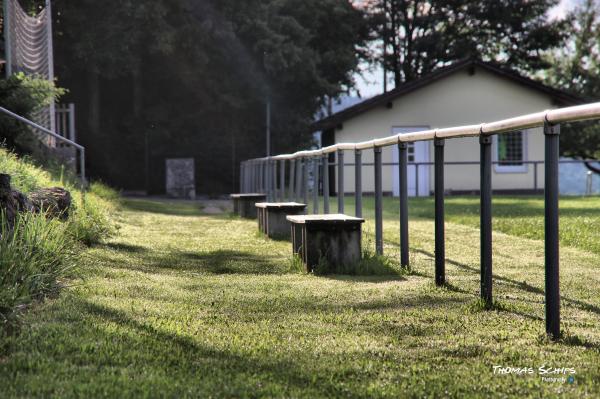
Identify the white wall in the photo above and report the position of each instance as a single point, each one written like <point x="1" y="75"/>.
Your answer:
<point x="459" y="99"/>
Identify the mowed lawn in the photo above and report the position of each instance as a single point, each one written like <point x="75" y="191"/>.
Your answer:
<point x="182" y="304"/>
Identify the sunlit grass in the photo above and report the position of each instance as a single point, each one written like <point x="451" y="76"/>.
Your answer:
<point x="182" y="304"/>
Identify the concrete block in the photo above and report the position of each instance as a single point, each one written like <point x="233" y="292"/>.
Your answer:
<point x="272" y="217"/>
<point x="335" y="239"/>
<point x="244" y="204"/>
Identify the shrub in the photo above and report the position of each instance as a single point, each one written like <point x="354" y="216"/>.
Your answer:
<point x="24" y="95"/>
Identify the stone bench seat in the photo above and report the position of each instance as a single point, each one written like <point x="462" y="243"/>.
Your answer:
<point x="243" y="204"/>
<point x="272" y="217"/>
<point x="333" y="238"/>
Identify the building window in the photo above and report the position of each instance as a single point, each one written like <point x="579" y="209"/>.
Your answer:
<point x="511" y="152"/>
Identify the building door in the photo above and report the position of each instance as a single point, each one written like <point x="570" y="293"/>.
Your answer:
<point x="418" y="181"/>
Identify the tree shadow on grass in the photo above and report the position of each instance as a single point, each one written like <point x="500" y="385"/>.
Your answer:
<point x="122" y="247"/>
<point x="163" y="208"/>
<point x="164" y="350"/>
<point x="374" y="279"/>
<point x="231" y="262"/>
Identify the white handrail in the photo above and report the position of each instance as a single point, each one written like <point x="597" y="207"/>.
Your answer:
<point x="568" y="114"/>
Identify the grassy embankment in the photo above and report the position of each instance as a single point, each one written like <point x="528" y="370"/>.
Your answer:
<point x="182" y="304"/>
<point x="36" y="259"/>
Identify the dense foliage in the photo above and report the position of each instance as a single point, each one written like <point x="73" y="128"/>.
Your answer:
<point x="576" y="68"/>
<point x="23" y="95"/>
<point x="190" y="78"/>
<point x="421" y="36"/>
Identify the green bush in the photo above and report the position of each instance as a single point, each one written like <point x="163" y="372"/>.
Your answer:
<point x="24" y="95"/>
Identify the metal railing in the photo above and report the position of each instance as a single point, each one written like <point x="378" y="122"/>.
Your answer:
<point x="65" y="121"/>
<point x="259" y="175"/>
<point x="34" y="125"/>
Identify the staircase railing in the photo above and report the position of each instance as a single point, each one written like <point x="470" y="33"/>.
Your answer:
<point x="57" y="136"/>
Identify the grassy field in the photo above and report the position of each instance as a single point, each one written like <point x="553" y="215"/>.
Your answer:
<point x="182" y="304"/>
<point x="521" y="216"/>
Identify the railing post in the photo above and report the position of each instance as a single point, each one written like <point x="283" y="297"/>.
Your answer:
<point x="378" y="203"/>
<point x="261" y="178"/>
<point x="440" y="255"/>
<point x="255" y="177"/>
<point x="305" y="170"/>
<point x="551" y="133"/>
<point x="241" y="177"/>
<point x="403" y="185"/>
<point x="269" y="180"/>
<point x="535" y="177"/>
<point x="274" y="166"/>
<point x="417" y="180"/>
<point x="340" y="181"/>
<point x="291" y="192"/>
<point x="281" y="180"/>
<point x="358" y="183"/>
<point x="299" y="167"/>
<point x="315" y="165"/>
<point x="325" y="163"/>
<point x="72" y="133"/>
<point x="485" y="225"/>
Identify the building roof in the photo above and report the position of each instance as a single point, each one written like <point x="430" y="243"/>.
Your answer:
<point x="560" y="97"/>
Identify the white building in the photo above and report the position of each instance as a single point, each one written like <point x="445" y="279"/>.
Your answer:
<point x="465" y="93"/>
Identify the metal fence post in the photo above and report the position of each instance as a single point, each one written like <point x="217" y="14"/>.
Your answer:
<point x="315" y="167"/>
<point x="265" y="172"/>
<point x="259" y="167"/>
<point x="340" y="182"/>
<point x="271" y="179"/>
<point x="417" y="194"/>
<point x="358" y="183"/>
<point x="535" y="177"/>
<point x="274" y="180"/>
<point x="305" y="170"/>
<point x="241" y="177"/>
<point x="325" y="163"/>
<point x="256" y="187"/>
<point x="378" y="203"/>
<point x="281" y="180"/>
<point x="291" y="195"/>
<point x="440" y="255"/>
<point x="403" y="185"/>
<point x="485" y="226"/>
<point x="299" y="167"/>
<point x="551" y="133"/>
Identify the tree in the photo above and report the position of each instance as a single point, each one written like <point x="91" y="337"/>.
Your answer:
<point x="420" y="36"/>
<point x="170" y="78"/>
<point x="576" y="68"/>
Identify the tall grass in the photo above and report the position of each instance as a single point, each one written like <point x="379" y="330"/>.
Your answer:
<point x="34" y="255"/>
<point x="38" y="252"/>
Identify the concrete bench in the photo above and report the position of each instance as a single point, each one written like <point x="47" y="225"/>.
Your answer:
<point x="243" y="204"/>
<point x="334" y="237"/>
<point x="272" y="217"/>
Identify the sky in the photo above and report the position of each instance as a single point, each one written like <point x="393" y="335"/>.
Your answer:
<point x="370" y="83"/>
